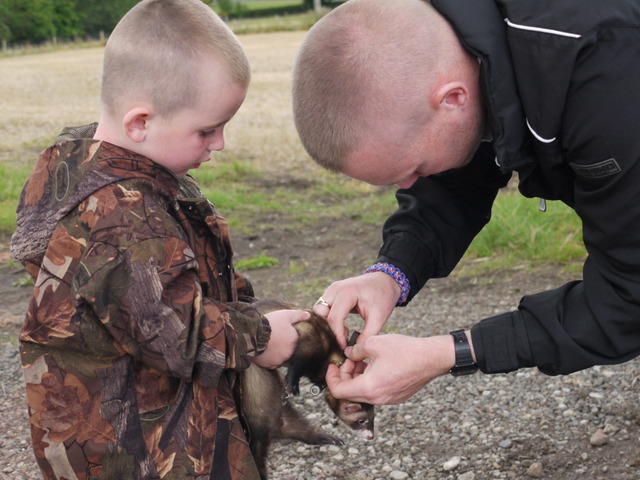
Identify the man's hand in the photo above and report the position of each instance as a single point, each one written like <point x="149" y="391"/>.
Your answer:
<point x="390" y="377"/>
<point x="372" y="295"/>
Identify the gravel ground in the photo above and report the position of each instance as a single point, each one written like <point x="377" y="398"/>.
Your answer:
<point x="515" y="426"/>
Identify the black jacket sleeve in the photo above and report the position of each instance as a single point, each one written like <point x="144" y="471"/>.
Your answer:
<point x="438" y="217"/>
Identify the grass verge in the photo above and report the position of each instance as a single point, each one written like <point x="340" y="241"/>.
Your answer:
<point x="518" y="234"/>
<point x="12" y="180"/>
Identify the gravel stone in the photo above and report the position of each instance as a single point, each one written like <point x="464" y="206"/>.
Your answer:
<point x="535" y="470"/>
<point x="398" y="475"/>
<point x="506" y="443"/>
<point x="467" y="476"/>
<point x="599" y="438"/>
<point x="451" y="464"/>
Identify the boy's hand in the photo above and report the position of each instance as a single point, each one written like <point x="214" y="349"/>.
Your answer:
<point x="284" y="337"/>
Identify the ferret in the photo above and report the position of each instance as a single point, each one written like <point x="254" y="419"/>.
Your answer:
<point x="317" y="347"/>
<point x="265" y="408"/>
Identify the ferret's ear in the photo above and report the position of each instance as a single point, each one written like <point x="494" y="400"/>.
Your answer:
<point x="136" y="123"/>
<point x="351" y="407"/>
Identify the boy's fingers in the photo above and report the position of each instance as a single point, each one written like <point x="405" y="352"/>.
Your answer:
<point x="302" y="316"/>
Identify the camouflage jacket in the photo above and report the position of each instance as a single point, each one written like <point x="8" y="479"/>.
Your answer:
<point x="137" y="322"/>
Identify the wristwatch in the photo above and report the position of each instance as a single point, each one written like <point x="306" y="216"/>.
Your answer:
<point x="464" y="360"/>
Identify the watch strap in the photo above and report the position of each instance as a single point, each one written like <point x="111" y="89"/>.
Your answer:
<point x="464" y="358"/>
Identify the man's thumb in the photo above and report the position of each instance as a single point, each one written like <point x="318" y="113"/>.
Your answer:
<point x="356" y="353"/>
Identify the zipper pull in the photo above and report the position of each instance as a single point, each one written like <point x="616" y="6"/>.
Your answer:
<point x="542" y="206"/>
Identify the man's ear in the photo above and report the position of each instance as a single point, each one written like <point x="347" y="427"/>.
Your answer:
<point x="450" y="95"/>
<point x="136" y="123"/>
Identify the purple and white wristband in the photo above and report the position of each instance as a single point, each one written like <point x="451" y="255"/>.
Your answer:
<point x="397" y="275"/>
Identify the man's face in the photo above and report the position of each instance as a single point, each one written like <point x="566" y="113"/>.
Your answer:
<point x="386" y="160"/>
<point x="387" y="168"/>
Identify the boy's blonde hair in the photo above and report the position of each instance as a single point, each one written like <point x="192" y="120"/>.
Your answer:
<point x="156" y="52"/>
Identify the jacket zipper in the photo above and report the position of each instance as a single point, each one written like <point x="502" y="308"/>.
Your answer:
<point x="542" y="206"/>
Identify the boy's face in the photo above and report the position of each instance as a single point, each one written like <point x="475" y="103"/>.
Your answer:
<point x="185" y="139"/>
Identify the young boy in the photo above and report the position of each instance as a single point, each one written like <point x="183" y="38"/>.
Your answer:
<point x="138" y="322"/>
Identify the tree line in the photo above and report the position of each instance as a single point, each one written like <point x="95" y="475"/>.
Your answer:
<point x="36" y="21"/>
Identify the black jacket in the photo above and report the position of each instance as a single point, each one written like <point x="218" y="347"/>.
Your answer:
<point x="561" y="86"/>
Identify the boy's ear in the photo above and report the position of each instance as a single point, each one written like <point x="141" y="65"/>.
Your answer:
<point x="136" y="123"/>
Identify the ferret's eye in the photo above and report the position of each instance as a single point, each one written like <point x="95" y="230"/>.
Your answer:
<point x="362" y="421"/>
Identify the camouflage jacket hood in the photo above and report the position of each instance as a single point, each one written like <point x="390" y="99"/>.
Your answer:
<point x="136" y="324"/>
<point x="66" y="175"/>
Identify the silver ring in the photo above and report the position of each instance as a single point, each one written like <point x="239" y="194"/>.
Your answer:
<point x="322" y="301"/>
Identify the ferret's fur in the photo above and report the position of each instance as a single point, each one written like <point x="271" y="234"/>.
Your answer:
<point x="267" y="412"/>
<point x="269" y="416"/>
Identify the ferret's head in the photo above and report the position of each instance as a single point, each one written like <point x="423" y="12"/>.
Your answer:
<point x="356" y="416"/>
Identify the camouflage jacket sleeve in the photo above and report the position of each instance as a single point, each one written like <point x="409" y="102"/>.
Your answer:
<point x="144" y="289"/>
